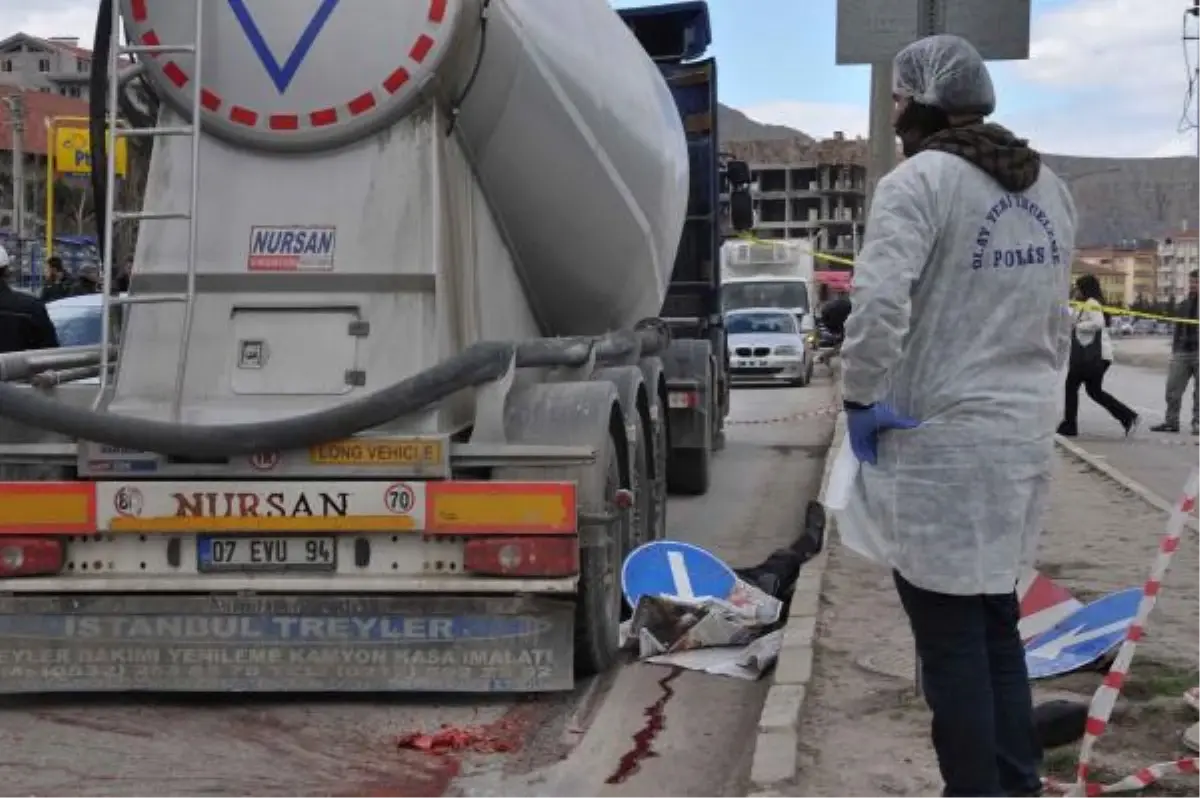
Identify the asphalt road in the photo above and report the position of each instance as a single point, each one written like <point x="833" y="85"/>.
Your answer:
<point x="1159" y="461"/>
<point x="572" y="744"/>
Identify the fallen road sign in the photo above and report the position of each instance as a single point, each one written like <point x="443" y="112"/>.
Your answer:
<point x="1044" y="603"/>
<point x="1083" y="637"/>
<point x="672" y="568"/>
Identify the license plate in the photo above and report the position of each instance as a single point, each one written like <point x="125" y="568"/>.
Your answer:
<point x="679" y="400"/>
<point x="283" y="553"/>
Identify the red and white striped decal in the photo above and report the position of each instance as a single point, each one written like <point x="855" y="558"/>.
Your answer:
<point x="1106" y="694"/>
<point x="416" y="53"/>
<point x="1044" y="603"/>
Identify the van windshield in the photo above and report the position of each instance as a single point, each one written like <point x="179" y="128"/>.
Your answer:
<point x="790" y="294"/>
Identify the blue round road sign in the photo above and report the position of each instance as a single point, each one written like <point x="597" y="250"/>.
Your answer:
<point x="1083" y="637"/>
<point x="671" y="568"/>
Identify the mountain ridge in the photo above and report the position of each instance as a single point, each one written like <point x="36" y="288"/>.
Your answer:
<point x="1117" y="199"/>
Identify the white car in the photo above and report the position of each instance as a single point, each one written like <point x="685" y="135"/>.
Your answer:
<point x="76" y="321"/>
<point x="767" y="345"/>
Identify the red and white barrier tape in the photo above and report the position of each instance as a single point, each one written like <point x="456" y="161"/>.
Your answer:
<point x="1106" y="694"/>
<point x="1137" y="781"/>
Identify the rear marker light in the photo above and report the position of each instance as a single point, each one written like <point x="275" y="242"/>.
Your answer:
<point x="623" y="499"/>
<point x="543" y="555"/>
<point x="30" y="556"/>
<point x="683" y="400"/>
<point x="11" y="558"/>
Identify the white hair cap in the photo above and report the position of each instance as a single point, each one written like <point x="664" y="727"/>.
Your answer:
<point x="945" y="72"/>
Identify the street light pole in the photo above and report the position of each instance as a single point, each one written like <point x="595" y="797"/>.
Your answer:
<point x="16" y="110"/>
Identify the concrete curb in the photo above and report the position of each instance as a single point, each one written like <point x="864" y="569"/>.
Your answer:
<point x="777" y="741"/>
<point x="1098" y="465"/>
<point x="1145" y="360"/>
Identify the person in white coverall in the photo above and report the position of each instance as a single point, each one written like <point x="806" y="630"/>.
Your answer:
<point x="952" y="371"/>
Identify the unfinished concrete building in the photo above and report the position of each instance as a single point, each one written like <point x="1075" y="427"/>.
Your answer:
<point x="809" y="189"/>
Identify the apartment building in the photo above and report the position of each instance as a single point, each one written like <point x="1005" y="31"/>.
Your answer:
<point x="1178" y="256"/>
<point x="810" y="190"/>
<point x="57" y="65"/>
<point x="1136" y="262"/>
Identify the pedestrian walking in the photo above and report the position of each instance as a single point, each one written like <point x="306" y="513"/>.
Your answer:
<point x="1183" y="366"/>
<point x="24" y="323"/>
<point x="1091" y="356"/>
<point x="952" y="362"/>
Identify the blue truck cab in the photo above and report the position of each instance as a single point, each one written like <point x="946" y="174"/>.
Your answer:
<point x="677" y="37"/>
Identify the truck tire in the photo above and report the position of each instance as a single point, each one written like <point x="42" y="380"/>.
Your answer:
<point x="690" y="471"/>
<point x="642" y="529"/>
<point x="599" y="602"/>
<point x="658" y="509"/>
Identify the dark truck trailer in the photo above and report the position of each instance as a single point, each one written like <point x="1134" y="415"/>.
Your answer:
<point x="677" y="37"/>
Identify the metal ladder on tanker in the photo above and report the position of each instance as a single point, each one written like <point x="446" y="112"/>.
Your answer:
<point x="112" y="216"/>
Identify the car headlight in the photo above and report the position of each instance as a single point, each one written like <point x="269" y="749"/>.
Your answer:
<point x="786" y="350"/>
<point x="811" y="338"/>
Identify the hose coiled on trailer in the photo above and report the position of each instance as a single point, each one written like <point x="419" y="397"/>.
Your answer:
<point x="478" y="364"/>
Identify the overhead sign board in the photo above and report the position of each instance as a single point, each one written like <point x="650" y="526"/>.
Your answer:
<point x="999" y="29"/>
<point x="873" y="31"/>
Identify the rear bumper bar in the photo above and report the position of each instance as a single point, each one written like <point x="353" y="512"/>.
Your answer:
<point x="285" y="643"/>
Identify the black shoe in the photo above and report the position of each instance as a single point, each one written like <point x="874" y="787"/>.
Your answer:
<point x="1165" y="428"/>
<point x="1131" y="425"/>
<point x="1067" y="432"/>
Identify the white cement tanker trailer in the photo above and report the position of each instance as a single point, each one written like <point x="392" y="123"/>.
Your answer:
<point x="424" y="321"/>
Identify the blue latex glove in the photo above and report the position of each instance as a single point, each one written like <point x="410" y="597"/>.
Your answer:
<point x="864" y="425"/>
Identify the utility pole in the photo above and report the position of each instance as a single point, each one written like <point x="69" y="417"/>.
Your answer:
<point x="882" y="138"/>
<point x="16" y="112"/>
<point x="1189" y="40"/>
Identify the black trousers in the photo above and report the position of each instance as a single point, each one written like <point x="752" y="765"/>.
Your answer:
<point x="1092" y="381"/>
<point x="976" y="684"/>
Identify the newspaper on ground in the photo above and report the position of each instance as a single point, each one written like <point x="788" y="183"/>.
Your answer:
<point x="730" y="636"/>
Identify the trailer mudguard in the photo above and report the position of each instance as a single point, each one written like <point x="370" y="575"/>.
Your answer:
<point x="689" y="367"/>
<point x="567" y="414"/>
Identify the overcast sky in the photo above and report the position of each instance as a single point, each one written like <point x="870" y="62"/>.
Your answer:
<point x="1105" y="77"/>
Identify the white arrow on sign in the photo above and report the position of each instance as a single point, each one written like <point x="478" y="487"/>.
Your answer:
<point x="679" y="574"/>
<point x="1053" y="649"/>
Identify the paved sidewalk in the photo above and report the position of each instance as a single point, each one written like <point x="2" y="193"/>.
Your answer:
<point x="1158" y="461"/>
<point x="863" y="731"/>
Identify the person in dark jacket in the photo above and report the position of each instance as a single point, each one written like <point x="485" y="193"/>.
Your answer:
<point x="834" y="314"/>
<point x="57" y="285"/>
<point x="24" y="323"/>
<point x="88" y="281"/>
<point x="1185" y="354"/>
<point x="121" y="278"/>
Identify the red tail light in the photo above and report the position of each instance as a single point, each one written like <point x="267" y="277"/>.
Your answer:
<point x="20" y="556"/>
<point x="544" y="555"/>
<point x="683" y="400"/>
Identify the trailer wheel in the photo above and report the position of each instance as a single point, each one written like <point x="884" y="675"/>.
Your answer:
<point x="643" y="490"/>
<point x="691" y="471"/>
<point x="599" y="601"/>
<point x="658" y="521"/>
